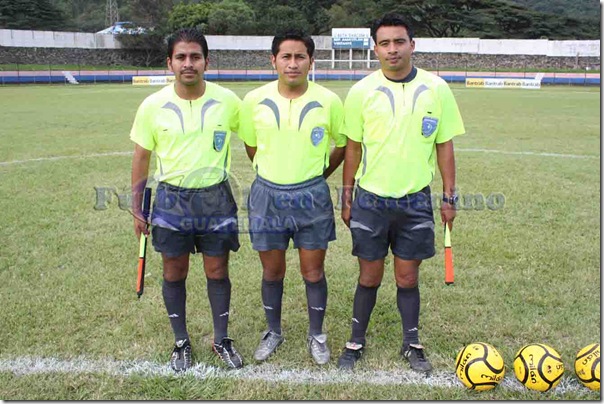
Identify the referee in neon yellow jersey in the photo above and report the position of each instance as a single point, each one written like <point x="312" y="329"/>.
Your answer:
<point x="400" y="121"/>
<point x="288" y="126"/>
<point x="188" y="126"/>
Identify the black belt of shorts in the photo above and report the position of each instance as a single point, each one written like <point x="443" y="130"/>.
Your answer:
<point x="425" y="190"/>
<point x="290" y="187"/>
<point x="174" y="188"/>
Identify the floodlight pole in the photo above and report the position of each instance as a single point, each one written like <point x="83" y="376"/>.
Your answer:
<point x="111" y="13"/>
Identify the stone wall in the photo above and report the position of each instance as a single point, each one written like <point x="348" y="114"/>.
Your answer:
<point x="57" y="56"/>
<point x="475" y="62"/>
<point x="254" y="59"/>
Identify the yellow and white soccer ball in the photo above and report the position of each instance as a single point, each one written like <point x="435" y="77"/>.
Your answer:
<point x="479" y="366"/>
<point x="538" y="366"/>
<point x="587" y="366"/>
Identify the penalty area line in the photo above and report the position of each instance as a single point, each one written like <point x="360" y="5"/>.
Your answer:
<point x="22" y="366"/>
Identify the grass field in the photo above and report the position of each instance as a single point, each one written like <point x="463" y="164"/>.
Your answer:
<point x="72" y="328"/>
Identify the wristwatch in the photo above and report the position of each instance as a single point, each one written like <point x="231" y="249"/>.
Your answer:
<point x="451" y="200"/>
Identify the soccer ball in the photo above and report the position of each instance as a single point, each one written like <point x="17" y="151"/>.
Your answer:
<point x="538" y="366"/>
<point x="587" y="366"/>
<point x="479" y="366"/>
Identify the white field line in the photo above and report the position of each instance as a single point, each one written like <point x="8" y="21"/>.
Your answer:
<point x="265" y="372"/>
<point x="94" y="155"/>
<point x="54" y="158"/>
<point x="528" y="153"/>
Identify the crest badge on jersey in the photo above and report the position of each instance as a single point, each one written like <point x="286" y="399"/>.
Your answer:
<point x="219" y="139"/>
<point x="429" y="125"/>
<point x="317" y="135"/>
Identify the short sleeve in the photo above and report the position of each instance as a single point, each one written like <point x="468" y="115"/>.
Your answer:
<point x="451" y="123"/>
<point x="336" y="119"/>
<point x="353" y="117"/>
<point x="142" y="132"/>
<point x="247" y="131"/>
<point x="235" y="105"/>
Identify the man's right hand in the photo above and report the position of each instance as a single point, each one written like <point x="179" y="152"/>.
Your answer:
<point x="346" y="215"/>
<point x="140" y="169"/>
<point x="140" y="226"/>
<point x="346" y="204"/>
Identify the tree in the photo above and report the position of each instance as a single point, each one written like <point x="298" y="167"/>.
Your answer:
<point x="91" y="20"/>
<point x="487" y="19"/>
<point x="280" y="19"/>
<point x="504" y="19"/>
<point x="148" y="49"/>
<point x="190" y="15"/>
<point x="88" y="15"/>
<point x="315" y="13"/>
<point x="231" y="17"/>
<point x="437" y="18"/>
<point x="554" y="19"/>
<point x="31" y="14"/>
<point x="577" y="9"/>
<point x="353" y="14"/>
<point x="312" y="16"/>
<point x="151" y="13"/>
<point x="563" y="27"/>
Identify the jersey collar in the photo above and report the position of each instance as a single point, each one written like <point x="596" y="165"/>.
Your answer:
<point x="292" y="100"/>
<point x="407" y="79"/>
<point x="177" y="98"/>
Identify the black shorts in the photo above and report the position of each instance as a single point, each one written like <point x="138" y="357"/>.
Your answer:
<point x="406" y="225"/>
<point x="278" y="213"/>
<point x="189" y="220"/>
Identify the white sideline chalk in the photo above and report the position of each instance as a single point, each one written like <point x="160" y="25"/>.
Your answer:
<point x="265" y="372"/>
<point x="82" y="156"/>
<point x="529" y="153"/>
<point x="128" y="153"/>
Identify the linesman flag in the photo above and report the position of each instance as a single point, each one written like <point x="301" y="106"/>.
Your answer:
<point x="449" y="271"/>
<point x="142" y="250"/>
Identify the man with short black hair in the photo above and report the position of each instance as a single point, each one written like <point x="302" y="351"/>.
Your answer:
<point x="399" y="121"/>
<point x="188" y="126"/>
<point x="287" y="126"/>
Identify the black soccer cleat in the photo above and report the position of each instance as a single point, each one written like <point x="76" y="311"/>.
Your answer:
<point x="180" y="360"/>
<point x="350" y="356"/>
<point x="228" y="354"/>
<point x="414" y="354"/>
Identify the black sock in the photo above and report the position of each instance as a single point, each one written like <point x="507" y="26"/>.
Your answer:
<point x="364" y="301"/>
<point x="219" y="294"/>
<point x="407" y="300"/>
<point x="316" y="298"/>
<point x="272" y="293"/>
<point x="175" y="298"/>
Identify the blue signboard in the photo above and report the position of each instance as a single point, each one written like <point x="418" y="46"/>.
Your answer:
<point x="350" y="38"/>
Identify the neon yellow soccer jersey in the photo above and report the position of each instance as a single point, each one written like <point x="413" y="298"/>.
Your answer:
<point x="291" y="136"/>
<point x="191" y="139"/>
<point x="398" y="125"/>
